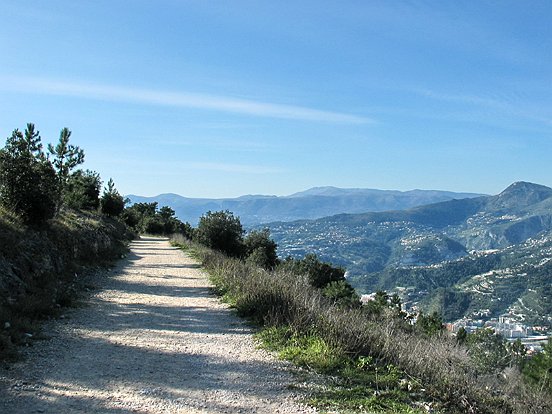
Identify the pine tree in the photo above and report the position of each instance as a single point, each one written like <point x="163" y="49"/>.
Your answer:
<point x="66" y="158"/>
<point x="28" y="183"/>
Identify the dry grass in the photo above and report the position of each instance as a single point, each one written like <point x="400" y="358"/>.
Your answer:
<point x="442" y="367"/>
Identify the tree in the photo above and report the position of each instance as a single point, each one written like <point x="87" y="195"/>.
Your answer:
<point x="82" y="190"/>
<point x="260" y="249"/>
<point x="431" y="324"/>
<point x="342" y="294"/>
<point x="32" y="144"/>
<point x="166" y="213"/>
<point x="221" y="230"/>
<point x="319" y="273"/>
<point x="145" y="218"/>
<point x="66" y="158"/>
<point x="377" y="305"/>
<point x="27" y="179"/>
<point x="112" y="203"/>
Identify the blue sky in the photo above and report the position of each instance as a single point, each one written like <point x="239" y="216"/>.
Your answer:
<point x="224" y="98"/>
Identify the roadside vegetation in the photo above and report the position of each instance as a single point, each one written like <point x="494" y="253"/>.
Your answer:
<point x="376" y="357"/>
<point x="55" y="225"/>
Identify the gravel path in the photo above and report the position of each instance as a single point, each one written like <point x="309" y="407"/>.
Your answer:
<point x="153" y="339"/>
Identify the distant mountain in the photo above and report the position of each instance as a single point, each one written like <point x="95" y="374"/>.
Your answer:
<point x="310" y="204"/>
<point x="437" y="249"/>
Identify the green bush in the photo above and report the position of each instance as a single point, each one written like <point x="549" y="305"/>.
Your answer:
<point x="342" y="294"/>
<point x="488" y="350"/>
<point x="145" y="218"/>
<point x="82" y="190"/>
<point x="260" y="249"/>
<point x="431" y="324"/>
<point x="319" y="273"/>
<point x="112" y="203"/>
<point x="28" y="184"/>
<point x="222" y="231"/>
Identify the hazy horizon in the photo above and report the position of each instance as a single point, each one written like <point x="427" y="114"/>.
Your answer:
<point x="311" y="188"/>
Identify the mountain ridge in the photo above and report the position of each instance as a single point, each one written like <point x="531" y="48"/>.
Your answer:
<point x="313" y="203"/>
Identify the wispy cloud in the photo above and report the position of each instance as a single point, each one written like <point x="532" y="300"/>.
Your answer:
<point x="175" y="99"/>
<point x="507" y="105"/>
<point x="235" y="168"/>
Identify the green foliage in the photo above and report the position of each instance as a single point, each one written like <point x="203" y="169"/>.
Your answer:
<point x="145" y="218"/>
<point x="260" y="249"/>
<point x="538" y="370"/>
<point x="488" y="350"/>
<point x="66" y="156"/>
<point x="28" y="183"/>
<point x="431" y="324"/>
<point x="112" y="203"/>
<point x="342" y="294"/>
<point x="319" y="273"/>
<point x="311" y="351"/>
<point x="518" y="352"/>
<point x="221" y="231"/>
<point x="82" y="190"/>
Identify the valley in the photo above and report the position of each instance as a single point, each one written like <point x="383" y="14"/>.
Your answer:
<point x="475" y="258"/>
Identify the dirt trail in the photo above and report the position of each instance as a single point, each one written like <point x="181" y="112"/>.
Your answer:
<point x="153" y="339"/>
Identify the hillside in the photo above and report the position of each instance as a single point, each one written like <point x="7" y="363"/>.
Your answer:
<point x="437" y="249"/>
<point x="310" y="204"/>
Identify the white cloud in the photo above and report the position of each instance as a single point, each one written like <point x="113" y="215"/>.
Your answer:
<point x="175" y="99"/>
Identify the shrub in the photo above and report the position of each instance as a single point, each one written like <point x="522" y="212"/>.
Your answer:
<point x="221" y="231"/>
<point x="145" y="218"/>
<point x="260" y="249"/>
<point x="28" y="184"/>
<point x="82" y="190"/>
<point x="488" y="350"/>
<point x="319" y="273"/>
<point x="431" y="324"/>
<point x="342" y="294"/>
<point x="112" y="203"/>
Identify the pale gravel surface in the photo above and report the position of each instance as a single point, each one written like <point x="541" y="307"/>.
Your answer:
<point x="153" y="339"/>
